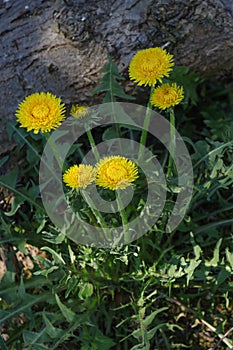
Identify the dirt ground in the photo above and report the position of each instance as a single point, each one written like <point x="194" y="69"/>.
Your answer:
<point x="23" y="262"/>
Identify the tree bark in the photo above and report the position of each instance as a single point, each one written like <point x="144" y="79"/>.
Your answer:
<point x="60" y="46"/>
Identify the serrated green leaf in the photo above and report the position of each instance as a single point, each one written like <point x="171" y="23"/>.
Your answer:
<point x="214" y="261"/>
<point x="57" y="257"/>
<point x="109" y="83"/>
<point x="111" y="68"/>
<point x="151" y="333"/>
<point x="66" y="312"/>
<point x="149" y="319"/>
<point x="52" y="331"/>
<point x="191" y="268"/>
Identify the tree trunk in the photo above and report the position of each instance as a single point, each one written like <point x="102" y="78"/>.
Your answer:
<point x="60" y="46"/>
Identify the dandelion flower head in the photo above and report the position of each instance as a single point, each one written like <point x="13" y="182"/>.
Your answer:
<point x="149" y="65"/>
<point x="79" y="176"/>
<point x="116" y="172"/>
<point x="166" y="96"/>
<point x="78" y="111"/>
<point x="40" y="112"/>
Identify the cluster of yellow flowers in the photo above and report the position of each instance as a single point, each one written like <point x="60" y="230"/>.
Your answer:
<point x="113" y="172"/>
<point x="151" y="65"/>
<point x="45" y="112"/>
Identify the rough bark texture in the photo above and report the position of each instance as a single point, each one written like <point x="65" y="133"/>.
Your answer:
<point x="60" y="46"/>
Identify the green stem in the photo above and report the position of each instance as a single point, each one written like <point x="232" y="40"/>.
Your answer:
<point x="145" y="126"/>
<point x="98" y="216"/>
<point x="93" y="145"/>
<point x="172" y="143"/>
<point x="124" y="218"/>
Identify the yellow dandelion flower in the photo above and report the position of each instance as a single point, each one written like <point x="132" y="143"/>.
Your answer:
<point x="78" y="111"/>
<point x="150" y="65"/>
<point x="40" y="112"/>
<point x="79" y="176"/>
<point x="115" y="172"/>
<point x="166" y="96"/>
